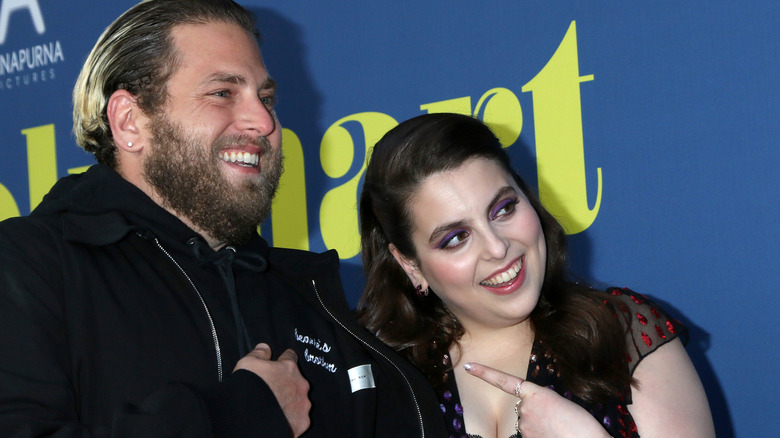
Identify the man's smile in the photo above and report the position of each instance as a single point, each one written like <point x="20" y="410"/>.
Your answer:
<point x="244" y="159"/>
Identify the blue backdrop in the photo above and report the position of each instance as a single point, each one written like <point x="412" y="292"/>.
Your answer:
<point x="650" y="129"/>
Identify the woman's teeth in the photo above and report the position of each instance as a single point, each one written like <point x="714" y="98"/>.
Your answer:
<point x="504" y="277"/>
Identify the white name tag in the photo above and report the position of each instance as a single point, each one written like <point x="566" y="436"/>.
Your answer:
<point x="361" y="377"/>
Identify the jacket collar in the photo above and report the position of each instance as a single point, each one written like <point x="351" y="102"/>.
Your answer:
<point x="100" y="208"/>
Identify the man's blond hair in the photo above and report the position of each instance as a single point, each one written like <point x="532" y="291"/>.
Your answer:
<point x="136" y="53"/>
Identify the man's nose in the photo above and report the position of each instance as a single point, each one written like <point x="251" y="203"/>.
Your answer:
<point x="254" y="115"/>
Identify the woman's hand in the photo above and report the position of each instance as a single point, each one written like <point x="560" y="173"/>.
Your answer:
<point x="542" y="412"/>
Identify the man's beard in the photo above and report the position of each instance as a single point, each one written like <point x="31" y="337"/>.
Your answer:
<point x="186" y="175"/>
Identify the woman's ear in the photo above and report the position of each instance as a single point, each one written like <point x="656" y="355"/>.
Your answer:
<point x="124" y="118"/>
<point x="410" y="267"/>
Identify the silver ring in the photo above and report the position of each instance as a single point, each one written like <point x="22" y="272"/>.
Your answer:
<point x="518" y="389"/>
<point x="518" y="393"/>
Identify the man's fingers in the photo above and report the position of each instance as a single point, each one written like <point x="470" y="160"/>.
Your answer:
<point x="284" y="378"/>
<point x="289" y="354"/>
<point x="503" y="381"/>
<point x="262" y="351"/>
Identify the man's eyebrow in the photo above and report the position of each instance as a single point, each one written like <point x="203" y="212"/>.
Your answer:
<point x="222" y="77"/>
<point x="268" y="84"/>
<point x="232" y="78"/>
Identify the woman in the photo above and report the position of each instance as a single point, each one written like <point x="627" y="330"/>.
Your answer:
<point x="466" y="276"/>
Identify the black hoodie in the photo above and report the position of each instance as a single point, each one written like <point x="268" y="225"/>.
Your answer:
<point x="116" y="319"/>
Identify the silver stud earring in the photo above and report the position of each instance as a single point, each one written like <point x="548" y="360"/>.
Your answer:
<point x="129" y="144"/>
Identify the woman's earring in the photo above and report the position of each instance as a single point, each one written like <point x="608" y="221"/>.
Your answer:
<point x="422" y="293"/>
<point x="129" y="144"/>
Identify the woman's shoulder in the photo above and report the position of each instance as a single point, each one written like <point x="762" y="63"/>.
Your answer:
<point x="648" y="325"/>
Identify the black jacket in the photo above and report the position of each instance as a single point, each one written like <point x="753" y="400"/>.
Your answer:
<point x="116" y="320"/>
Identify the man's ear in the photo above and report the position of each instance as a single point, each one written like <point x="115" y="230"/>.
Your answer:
<point x="125" y="120"/>
<point x="410" y="267"/>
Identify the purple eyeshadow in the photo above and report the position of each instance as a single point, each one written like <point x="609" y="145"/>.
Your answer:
<point x="502" y="205"/>
<point x="448" y="237"/>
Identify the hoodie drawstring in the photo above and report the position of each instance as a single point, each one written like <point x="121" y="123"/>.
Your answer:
<point x="224" y="260"/>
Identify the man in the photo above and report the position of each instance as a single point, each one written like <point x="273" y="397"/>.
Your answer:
<point x="138" y="299"/>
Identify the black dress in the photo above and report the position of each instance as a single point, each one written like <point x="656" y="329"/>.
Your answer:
<point x="650" y="328"/>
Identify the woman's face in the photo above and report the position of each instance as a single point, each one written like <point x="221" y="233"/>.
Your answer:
<point x="479" y="244"/>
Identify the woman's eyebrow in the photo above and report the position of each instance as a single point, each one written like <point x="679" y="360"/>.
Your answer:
<point x="503" y="191"/>
<point x="436" y="234"/>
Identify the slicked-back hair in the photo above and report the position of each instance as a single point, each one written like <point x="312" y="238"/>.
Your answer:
<point x="136" y="53"/>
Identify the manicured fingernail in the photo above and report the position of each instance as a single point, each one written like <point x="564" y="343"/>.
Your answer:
<point x="468" y="367"/>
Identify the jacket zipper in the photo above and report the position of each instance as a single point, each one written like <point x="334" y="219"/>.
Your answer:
<point x="205" y="307"/>
<point x="409" y="385"/>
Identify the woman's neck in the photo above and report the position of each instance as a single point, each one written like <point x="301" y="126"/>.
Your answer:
<point x="493" y="346"/>
<point x="487" y="410"/>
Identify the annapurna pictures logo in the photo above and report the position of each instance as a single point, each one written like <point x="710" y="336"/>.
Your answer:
<point x="32" y="64"/>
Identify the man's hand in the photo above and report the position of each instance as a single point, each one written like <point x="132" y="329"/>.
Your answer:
<point x="286" y="382"/>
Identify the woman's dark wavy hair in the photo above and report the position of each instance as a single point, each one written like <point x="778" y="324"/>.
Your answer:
<point x="577" y="323"/>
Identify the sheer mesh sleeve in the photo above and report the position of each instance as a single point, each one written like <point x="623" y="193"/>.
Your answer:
<point x="650" y="326"/>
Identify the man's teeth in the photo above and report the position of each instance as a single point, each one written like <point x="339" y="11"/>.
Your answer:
<point x="240" y="158"/>
<point x="504" y="277"/>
